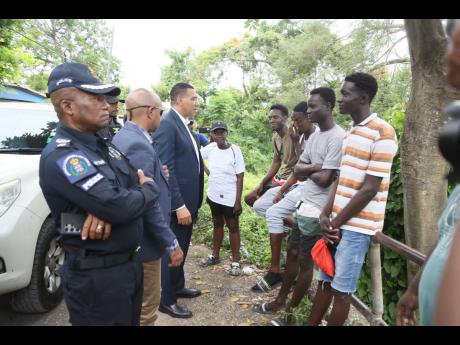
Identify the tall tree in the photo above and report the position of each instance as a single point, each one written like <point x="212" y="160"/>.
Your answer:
<point x="54" y="41"/>
<point x="423" y="168"/>
<point x="10" y="52"/>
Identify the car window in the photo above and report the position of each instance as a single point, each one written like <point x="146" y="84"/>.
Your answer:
<point x="26" y="128"/>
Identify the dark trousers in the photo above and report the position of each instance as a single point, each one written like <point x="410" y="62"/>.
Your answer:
<point x="172" y="278"/>
<point x="110" y="296"/>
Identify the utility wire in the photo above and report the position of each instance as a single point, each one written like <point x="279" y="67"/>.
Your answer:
<point x="30" y="39"/>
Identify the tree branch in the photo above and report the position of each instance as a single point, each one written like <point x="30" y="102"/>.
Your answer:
<point x="390" y="62"/>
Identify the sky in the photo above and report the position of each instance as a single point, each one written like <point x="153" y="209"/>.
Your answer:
<point x="140" y="44"/>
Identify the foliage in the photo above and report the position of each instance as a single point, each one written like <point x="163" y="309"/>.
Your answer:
<point x="11" y="54"/>
<point x="46" y="43"/>
<point x="202" y="71"/>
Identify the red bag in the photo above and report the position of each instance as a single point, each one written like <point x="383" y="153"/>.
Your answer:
<point x="322" y="257"/>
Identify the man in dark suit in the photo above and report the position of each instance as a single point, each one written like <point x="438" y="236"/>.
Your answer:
<point x="178" y="149"/>
<point x="135" y="141"/>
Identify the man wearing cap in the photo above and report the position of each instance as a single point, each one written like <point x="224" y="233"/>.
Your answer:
<point x="82" y="174"/>
<point x="114" y="126"/>
<point x="178" y="149"/>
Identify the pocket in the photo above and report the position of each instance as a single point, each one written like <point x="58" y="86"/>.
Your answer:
<point x="308" y="226"/>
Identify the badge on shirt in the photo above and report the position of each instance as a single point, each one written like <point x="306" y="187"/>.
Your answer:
<point x="114" y="153"/>
<point x="76" y="166"/>
<point x="63" y="142"/>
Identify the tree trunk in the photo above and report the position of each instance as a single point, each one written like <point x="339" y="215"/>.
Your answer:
<point x="423" y="168"/>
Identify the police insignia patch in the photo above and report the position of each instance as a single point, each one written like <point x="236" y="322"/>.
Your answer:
<point x="76" y="166"/>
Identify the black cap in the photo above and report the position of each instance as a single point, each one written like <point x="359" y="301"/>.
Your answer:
<point x="113" y="99"/>
<point x="218" y="124"/>
<point x="72" y="74"/>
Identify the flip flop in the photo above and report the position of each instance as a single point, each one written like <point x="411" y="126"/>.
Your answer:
<point x="267" y="283"/>
<point x="277" y="322"/>
<point x="263" y="309"/>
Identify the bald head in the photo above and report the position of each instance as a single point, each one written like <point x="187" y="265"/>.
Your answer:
<point x="146" y="106"/>
<point x="141" y="97"/>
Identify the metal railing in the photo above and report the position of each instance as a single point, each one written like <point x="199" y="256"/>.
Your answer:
<point x="374" y="315"/>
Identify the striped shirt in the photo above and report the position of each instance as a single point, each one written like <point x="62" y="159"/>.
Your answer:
<point x="368" y="148"/>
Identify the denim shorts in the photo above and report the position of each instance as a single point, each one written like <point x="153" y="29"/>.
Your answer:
<point x="348" y="261"/>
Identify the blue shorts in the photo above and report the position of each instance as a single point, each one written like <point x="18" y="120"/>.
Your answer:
<point x="348" y="261"/>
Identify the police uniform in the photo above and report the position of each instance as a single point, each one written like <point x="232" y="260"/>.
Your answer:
<point x="112" y="128"/>
<point x="82" y="173"/>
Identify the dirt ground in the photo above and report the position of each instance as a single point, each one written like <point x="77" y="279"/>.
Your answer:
<point x="226" y="300"/>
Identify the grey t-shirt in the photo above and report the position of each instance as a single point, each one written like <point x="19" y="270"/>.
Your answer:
<point x="323" y="148"/>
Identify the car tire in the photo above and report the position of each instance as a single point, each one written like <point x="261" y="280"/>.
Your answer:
<point x="44" y="292"/>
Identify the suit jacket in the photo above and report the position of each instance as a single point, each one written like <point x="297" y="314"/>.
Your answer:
<point x="174" y="145"/>
<point x="141" y="154"/>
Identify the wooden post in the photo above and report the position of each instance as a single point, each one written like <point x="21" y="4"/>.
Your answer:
<point x="376" y="280"/>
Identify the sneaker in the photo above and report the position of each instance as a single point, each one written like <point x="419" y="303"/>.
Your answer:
<point x="235" y="269"/>
<point x="210" y="261"/>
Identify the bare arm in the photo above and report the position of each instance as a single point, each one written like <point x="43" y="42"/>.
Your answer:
<point x="408" y="302"/>
<point x="448" y="307"/>
<point x="274" y="167"/>
<point x="324" y="178"/>
<point x="303" y="170"/>
<point x="239" y="191"/>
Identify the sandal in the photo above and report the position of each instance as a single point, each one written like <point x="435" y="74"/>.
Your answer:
<point x="263" y="309"/>
<point x="235" y="269"/>
<point x="267" y="283"/>
<point x="210" y="261"/>
<point x="277" y="322"/>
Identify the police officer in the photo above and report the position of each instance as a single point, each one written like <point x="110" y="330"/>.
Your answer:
<point x="80" y="174"/>
<point x="114" y="126"/>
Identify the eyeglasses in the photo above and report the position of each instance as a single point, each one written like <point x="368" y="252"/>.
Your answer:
<point x="145" y="106"/>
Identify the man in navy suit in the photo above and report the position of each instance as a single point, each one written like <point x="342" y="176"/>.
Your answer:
<point x="135" y="141"/>
<point x="178" y="149"/>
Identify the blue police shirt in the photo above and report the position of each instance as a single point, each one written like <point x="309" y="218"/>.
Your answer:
<point x="82" y="173"/>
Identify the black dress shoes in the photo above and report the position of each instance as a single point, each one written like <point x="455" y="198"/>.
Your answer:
<point x="188" y="293"/>
<point x="176" y="310"/>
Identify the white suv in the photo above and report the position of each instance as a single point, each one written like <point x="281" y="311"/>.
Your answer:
<point x="30" y="258"/>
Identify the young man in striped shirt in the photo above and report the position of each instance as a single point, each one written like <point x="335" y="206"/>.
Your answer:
<point x="355" y="209"/>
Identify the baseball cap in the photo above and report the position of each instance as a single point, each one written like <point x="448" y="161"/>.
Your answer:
<point x="72" y="74"/>
<point x="113" y="99"/>
<point x="218" y="124"/>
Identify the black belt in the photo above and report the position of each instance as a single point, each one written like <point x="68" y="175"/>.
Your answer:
<point x="86" y="260"/>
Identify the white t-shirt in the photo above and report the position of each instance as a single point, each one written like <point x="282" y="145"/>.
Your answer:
<point x="223" y="167"/>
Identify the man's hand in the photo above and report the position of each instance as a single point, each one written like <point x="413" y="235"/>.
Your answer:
<point x="324" y="222"/>
<point x="259" y="189"/>
<point x="332" y="236"/>
<point x="237" y="209"/>
<point x="165" y="171"/>
<point x="277" y="197"/>
<point x="176" y="257"/>
<point x="96" y="228"/>
<point x="405" y="309"/>
<point x="142" y="177"/>
<point x="330" y="233"/>
<point x="183" y="216"/>
<point x="294" y="134"/>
